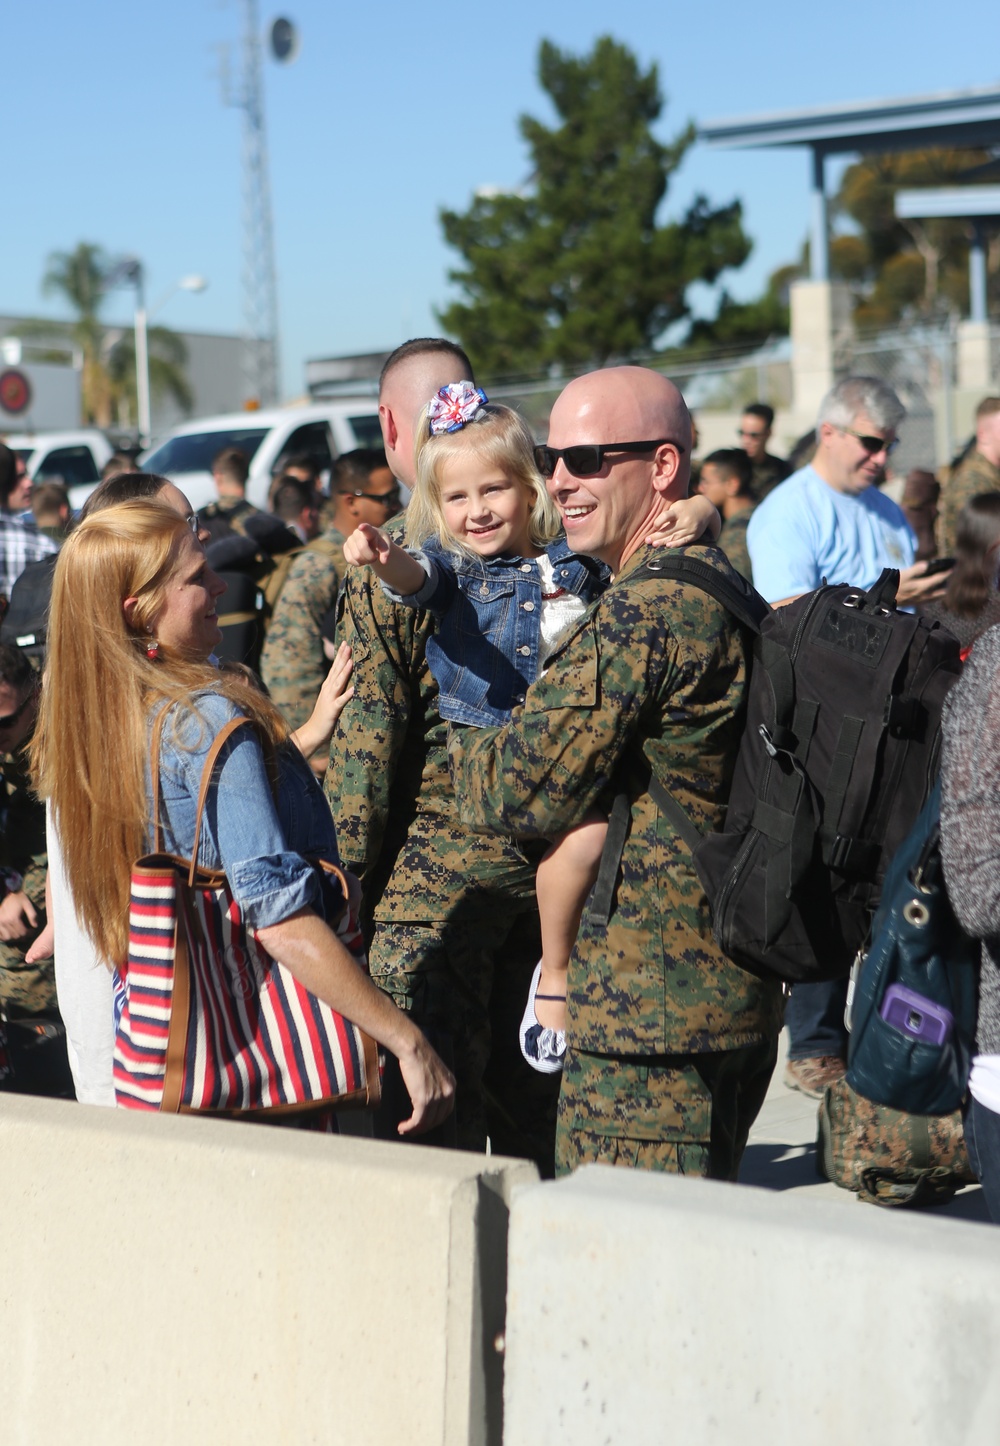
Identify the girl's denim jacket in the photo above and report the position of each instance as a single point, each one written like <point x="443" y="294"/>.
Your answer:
<point x="258" y="841"/>
<point x="485" y="647"/>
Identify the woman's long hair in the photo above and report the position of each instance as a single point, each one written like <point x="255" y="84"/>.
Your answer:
<point x="91" y="741"/>
<point x="974" y="578"/>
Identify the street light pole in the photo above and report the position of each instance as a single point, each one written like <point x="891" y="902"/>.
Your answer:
<point x="141" y="358"/>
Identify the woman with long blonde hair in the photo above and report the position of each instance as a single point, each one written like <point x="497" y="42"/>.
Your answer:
<point x="132" y="629"/>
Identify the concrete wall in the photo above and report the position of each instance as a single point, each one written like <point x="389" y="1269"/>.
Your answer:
<point x="183" y="1281"/>
<point x="655" y="1310"/>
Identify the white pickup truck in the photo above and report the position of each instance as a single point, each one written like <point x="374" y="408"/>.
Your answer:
<point x="321" y="431"/>
<point x="75" y="458"/>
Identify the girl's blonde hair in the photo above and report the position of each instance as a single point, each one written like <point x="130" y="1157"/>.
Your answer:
<point x="91" y="742"/>
<point x="499" y="436"/>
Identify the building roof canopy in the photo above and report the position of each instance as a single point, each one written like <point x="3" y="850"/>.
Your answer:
<point x="953" y="118"/>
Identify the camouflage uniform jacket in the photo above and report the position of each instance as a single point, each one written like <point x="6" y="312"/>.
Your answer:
<point x="293" y="664"/>
<point x="733" y="542"/>
<point x="24" y="988"/>
<point x="971" y="477"/>
<point x="767" y="473"/>
<point x="652" y="680"/>
<point x="398" y="825"/>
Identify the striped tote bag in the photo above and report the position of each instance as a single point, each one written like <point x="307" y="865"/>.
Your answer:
<point x="207" y="1020"/>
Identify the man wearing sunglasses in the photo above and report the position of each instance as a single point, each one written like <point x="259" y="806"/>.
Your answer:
<point x="829" y="520"/>
<point x="670" y="1045"/>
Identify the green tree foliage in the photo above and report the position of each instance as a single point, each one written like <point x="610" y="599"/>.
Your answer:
<point x="575" y="270"/>
<point x="748" y="323"/>
<point x="904" y="269"/>
<point x="82" y="277"/>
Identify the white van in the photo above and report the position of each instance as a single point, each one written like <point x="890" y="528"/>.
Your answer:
<point x="268" y="438"/>
<point x="75" y="458"/>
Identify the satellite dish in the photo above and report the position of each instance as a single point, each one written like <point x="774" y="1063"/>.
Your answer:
<point x="284" y="39"/>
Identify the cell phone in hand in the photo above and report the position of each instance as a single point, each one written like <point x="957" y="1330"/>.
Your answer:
<point x="940" y="564"/>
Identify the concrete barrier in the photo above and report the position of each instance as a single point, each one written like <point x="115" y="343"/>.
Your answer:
<point x="174" y="1280"/>
<point x="648" y="1309"/>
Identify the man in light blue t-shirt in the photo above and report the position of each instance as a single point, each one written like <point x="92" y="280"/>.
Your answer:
<point x="829" y="522"/>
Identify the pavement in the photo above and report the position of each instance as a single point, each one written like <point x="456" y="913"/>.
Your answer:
<point x="781" y="1153"/>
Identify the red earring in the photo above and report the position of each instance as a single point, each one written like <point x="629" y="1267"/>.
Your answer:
<point x="152" y="650"/>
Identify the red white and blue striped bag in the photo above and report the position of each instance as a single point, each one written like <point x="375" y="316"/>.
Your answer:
<point x="207" y="1020"/>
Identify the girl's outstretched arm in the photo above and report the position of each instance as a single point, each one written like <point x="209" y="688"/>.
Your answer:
<point x="369" y="546"/>
<point x="685" y="521"/>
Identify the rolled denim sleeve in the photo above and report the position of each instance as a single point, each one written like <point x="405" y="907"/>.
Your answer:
<point x="435" y="593"/>
<point x="241" y="832"/>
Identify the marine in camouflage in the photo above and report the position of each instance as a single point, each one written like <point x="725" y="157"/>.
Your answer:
<point x="651" y="680"/>
<point x="450" y="913"/>
<point x="733" y="542"/>
<point x="24" y="988"/>
<point x="293" y="663"/>
<point x="975" y="475"/>
<point x="767" y="473"/>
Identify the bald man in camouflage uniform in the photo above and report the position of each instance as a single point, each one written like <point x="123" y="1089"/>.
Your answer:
<point x="451" y="914"/>
<point x="671" y="1045"/>
<point x="980" y="472"/>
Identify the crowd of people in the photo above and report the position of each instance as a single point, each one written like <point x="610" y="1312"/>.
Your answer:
<point x="473" y="680"/>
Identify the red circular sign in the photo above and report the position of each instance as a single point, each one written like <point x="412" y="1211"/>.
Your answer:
<point x="15" y="391"/>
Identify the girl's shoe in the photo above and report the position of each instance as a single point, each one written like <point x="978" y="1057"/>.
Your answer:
<point x="544" y="1049"/>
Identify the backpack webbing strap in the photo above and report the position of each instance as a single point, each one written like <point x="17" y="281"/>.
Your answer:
<point x="749" y="609"/>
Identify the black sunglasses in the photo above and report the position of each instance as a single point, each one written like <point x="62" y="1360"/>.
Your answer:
<point x="387" y="499"/>
<point x="11" y="718"/>
<point x="587" y="459"/>
<point x="873" y="445"/>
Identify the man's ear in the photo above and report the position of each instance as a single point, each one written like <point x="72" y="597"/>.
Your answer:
<point x="666" y="467"/>
<point x="388" y="421"/>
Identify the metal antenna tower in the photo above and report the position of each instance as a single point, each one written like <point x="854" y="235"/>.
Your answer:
<point x="260" y="285"/>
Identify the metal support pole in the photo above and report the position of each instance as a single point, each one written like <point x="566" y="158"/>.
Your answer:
<point x="977" y="274"/>
<point x="142" y="361"/>
<point x="819" y="236"/>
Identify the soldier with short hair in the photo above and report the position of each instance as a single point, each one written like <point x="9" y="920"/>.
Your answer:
<point x="977" y="473"/>
<point x="670" y="1045"/>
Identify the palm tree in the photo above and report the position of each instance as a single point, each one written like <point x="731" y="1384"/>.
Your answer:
<point x="81" y="278"/>
<point x="167" y="358"/>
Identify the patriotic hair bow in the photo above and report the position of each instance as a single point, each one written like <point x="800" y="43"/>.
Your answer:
<point x="454" y="406"/>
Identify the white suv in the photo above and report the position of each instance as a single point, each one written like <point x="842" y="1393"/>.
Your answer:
<point x="75" y="458"/>
<point x="268" y="439"/>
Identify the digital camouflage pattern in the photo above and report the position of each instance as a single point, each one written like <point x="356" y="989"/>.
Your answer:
<point x="888" y="1157"/>
<point x="767" y="473"/>
<point x="225" y="516"/>
<point x="971" y="477"/>
<point x="656" y="1113"/>
<point x="652" y="679"/>
<point x="451" y="913"/>
<point x="24" y="988"/>
<point x="733" y="541"/>
<point x="293" y="663"/>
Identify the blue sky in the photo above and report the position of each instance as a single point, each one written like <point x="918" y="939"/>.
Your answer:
<point x="116" y="134"/>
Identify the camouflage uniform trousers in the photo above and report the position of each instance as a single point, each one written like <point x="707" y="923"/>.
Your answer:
<point x="465" y="981"/>
<point x="682" y="1114"/>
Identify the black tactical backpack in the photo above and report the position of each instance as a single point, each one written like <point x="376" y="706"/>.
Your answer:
<point x="838" y="755"/>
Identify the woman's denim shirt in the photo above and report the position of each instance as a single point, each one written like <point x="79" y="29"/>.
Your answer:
<point x="260" y="846"/>
<point x="485" y="647"/>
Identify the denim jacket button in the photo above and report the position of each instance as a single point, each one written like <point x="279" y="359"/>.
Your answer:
<point x="524" y="650"/>
<point x="529" y="607"/>
<point x="484" y="589"/>
<point x="525" y="566"/>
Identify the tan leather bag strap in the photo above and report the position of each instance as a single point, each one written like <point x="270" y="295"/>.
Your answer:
<point x="221" y="739"/>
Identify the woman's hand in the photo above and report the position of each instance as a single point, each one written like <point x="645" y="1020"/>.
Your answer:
<point x="334" y="696"/>
<point x="430" y="1085"/>
<point x="44" y="946"/>
<point x="367" y="546"/>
